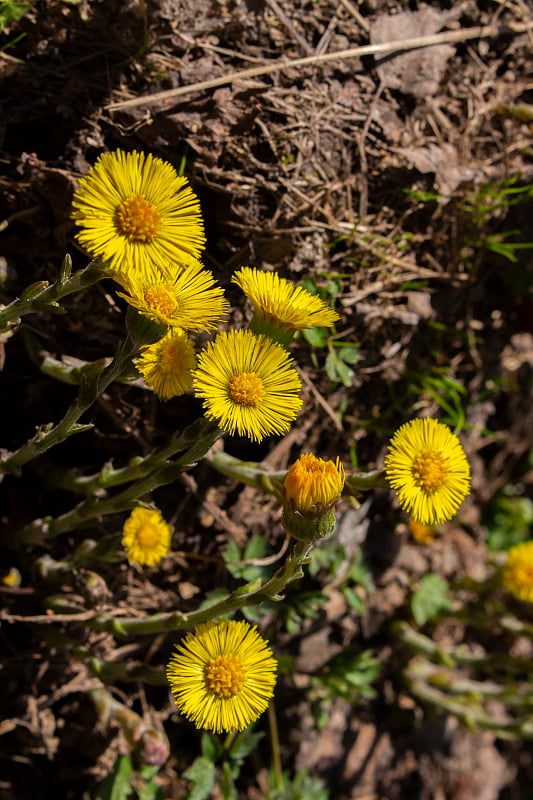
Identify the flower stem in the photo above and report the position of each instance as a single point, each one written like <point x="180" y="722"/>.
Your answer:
<point x="42" y="296"/>
<point x="274" y="742"/>
<point x="253" y="474"/>
<point x="94" y="380"/>
<point x="466" y="708"/>
<point x="248" y="472"/>
<point x="250" y="594"/>
<point x="161" y="473"/>
<point x="194" y="437"/>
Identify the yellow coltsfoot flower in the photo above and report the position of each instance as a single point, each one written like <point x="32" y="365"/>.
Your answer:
<point x="146" y="537"/>
<point x="167" y="365"/>
<point x="422" y="534"/>
<point x="518" y="572"/>
<point x="184" y="296"/>
<point x="222" y="676"/>
<point x="134" y="210"/>
<point x="311" y="490"/>
<point x="248" y="385"/>
<point x="281" y="308"/>
<point x="428" y="470"/>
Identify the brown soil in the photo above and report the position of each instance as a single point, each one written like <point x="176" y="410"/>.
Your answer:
<point x="360" y="173"/>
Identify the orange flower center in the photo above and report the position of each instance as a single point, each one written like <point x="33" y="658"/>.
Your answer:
<point x="148" y="536"/>
<point x="246" y="389"/>
<point x="138" y="220"/>
<point x="524" y="574"/>
<point x="161" y="300"/>
<point x="429" y="471"/>
<point x="225" y="676"/>
<point x="310" y="481"/>
<point x="170" y="361"/>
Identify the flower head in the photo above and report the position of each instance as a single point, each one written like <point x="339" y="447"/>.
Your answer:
<point x="428" y="469"/>
<point x="312" y="483"/>
<point x="146" y="537"/>
<point x="518" y="571"/>
<point x="186" y="297"/>
<point x="422" y="534"/>
<point x="167" y="365"/>
<point x="248" y="384"/>
<point x="222" y="676"/>
<point x="134" y="210"/>
<point x="311" y="490"/>
<point x="281" y="307"/>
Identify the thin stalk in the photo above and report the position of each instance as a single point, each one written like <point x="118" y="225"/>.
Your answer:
<point x="95" y="508"/>
<point x="248" y="472"/>
<point x="42" y="296"/>
<point x="471" y="716"/>
<point x="460" y="655"/>
<point x="139" y="467"/>
<point x="250" y="594"/>
<point x="468" y="689"/>
<point x="96" y="379"/>
<point x="254" y="474"/>
<point x="274" y="743"/>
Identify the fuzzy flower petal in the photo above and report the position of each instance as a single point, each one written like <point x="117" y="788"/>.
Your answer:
<point x="248" y="384"/>
<point x="167" y="365"/>
<point x="428" y="469"/>
<point x="183" y="297"/>
<point x="312" y="482"/>
<point x="134" y="210"/>
<point x="146" y="537"/>
<point x="281" y="302"/>
<point x="222" y="676"/>
<point x="518" y="572"/>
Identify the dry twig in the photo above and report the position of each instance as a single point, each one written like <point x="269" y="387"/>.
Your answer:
<point x="480" y="32"/>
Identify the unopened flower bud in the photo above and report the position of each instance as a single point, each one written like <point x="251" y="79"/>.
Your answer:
<point x="311" y="490"/>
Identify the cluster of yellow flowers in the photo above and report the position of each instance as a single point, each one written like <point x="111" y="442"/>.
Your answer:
<point x="143" y="221"/>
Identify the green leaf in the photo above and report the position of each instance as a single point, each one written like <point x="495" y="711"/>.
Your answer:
<point x="349" y="353"/>
<point x="151" y="791"/>
<point x="508" y="520"/>
<point x="245" y="743"/>
<point x="430" y="599"/>
<point x="331" y="367"/>
<point x="304" y="605"/>
<point x="117" y="786"/>
<point x="347" y="676"/>
<point x="353" y="599"/>
<point x="202" y="774"/>
<point x="256" y="547"/>
<point x="302" y="787"/>
<point x="316" y="337"/>
<point x="212" y="748"/>
<point x="11" y="12"/>
<point x="230" y="771"/>
<point x="346" y="374"/>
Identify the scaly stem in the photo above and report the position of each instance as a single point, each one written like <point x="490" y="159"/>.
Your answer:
<point x="95" y="508"/>
<point x="250" y="594"/>
<point x="248" y="472"/>
<point x="193" y="436"/>
<point x="96" y="379"/>
<point x="465" y="709"/>
<point x="461" y="656"/>
<point x="253" y="474"/>
<point x="41" y="296"/>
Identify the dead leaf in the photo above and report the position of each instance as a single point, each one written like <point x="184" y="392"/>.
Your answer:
<point x="417" y="72"/>
<point x="443" y="160"/>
